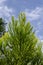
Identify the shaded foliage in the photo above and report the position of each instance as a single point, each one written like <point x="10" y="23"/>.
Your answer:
<point x="2" y="26"/>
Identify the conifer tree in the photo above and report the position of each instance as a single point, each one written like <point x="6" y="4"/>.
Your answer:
<point x="18" y="45"/>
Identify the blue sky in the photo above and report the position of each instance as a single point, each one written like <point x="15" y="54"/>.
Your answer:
<point x="32" y="8"/>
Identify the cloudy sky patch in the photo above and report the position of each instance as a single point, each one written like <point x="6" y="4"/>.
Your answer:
<point x="32" y="8"/>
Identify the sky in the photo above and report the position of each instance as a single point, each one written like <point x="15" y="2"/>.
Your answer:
<point x="32" y="8"/>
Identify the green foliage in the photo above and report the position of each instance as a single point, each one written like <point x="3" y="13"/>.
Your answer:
<point x="18" y="45"/>
<point x="2" y="27"/>
<point x="38" y="58"/>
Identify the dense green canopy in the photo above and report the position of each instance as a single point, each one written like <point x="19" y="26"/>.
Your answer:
<point x="19" y="45"/>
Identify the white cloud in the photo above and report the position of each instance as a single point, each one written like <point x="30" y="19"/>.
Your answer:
<point x="37" y="31"/>
<point x="5" y="11"/>
<point x="39" y="23"/>
<point x="34" y="14"/>
<point x="39" y="26"/>
<point x="2" y="2"/>
<point x="40" y="37"/>
<point x="41" y="40"/>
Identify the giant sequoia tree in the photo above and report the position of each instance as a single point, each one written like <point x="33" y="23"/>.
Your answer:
<point x="18" y="45"/>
